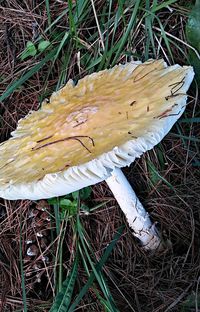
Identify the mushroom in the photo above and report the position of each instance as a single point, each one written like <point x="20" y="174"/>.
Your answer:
<point x="88" y="131"/>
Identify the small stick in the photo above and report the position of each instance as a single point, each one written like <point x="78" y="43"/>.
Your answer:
<point x="67" y="139"/>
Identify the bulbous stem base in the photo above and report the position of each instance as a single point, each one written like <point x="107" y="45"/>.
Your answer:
<point x="137" y="217"/>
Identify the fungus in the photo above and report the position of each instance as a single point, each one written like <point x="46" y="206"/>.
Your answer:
<point x="87" y="132"/>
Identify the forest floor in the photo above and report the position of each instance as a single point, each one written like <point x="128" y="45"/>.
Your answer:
<point x="43" y="44"/>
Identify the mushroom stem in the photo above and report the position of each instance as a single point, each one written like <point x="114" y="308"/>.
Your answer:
<point x="137" y="216"/>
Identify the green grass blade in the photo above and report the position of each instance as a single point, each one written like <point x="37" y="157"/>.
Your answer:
<point x="130" y="26"/>
<point x="48" y="12"/>
<point x="83" y="259"/>
<point x="98" y="275"/>
<point x="57" y="217"/>
<point x="82" y="10"/>
<point x="155" y="176"/>
<point x="162" y="30"/>
<point x="162" y="5"/>
<point x="63" y="299"/>
<point x="21" y="268"/>
<point x="58" y="225"/>
<point x="26" y="76"/>
<point x="184" y="137"/>
<point x="99" y="205"/>
<point x="94" y="63"/>
<point x="148" y="28"/>
<point x="103" y="301"/>
<point x="56" y="20"/>
<point x="71" y="19"/>
<point x="153" y="173"/>
<point x="61" y="45"/>
<point x="165" y="40"/>
<point x="66" y="61"/>
<point x="149" y="31"/>
<point x="98" y="268"/>
<point x="190" y="120"/>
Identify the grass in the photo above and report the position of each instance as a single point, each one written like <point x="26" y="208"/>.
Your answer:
<point x="85" y="260"/>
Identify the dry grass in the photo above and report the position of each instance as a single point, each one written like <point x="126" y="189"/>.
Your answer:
<point x="138" y="282"/>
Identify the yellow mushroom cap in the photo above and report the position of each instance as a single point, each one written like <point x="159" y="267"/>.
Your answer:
<point x="107" y="120"/>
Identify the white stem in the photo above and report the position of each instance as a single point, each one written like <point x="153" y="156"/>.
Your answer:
<point x="137" y="216"/>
